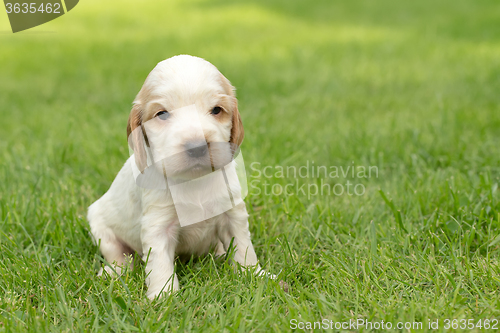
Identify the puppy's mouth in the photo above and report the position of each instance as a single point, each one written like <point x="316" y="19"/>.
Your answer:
<point x="198" y="160"/>
<point x="198" y="169"/>
<point x="182" y="166"/>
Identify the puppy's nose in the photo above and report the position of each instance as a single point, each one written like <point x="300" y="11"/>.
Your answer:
<point x="196" y="149"/>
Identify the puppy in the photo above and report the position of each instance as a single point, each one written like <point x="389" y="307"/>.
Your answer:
<point x="144" y="219"/>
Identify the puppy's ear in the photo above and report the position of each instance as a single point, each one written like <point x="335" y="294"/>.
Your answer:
<point x="237" y="132"/>
<point x="136" y="137"/>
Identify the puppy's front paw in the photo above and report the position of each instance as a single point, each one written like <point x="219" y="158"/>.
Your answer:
<point x="153" y="293"/>
<point x="163" y="290"/>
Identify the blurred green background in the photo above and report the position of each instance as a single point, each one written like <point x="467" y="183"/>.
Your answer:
<point x="409" y="87"/>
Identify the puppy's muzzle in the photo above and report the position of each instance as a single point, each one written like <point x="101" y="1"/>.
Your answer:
<point x="196" y="149"/>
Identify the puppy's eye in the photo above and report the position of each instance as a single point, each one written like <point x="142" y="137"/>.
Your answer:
<point x="216" y="110"/>
<point x="163" y="115"/>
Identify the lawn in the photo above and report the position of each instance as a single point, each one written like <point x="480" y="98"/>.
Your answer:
<point x="410" y="89"/>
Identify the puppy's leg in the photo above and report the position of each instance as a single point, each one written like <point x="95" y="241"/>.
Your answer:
<point x="159" y="240"/>
<point x="236" y="227"/>
<point x="117" y="254"/>
<point x="219" y="249"/>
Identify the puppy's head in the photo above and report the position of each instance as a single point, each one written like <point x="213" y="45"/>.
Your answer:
<point x="185" y="117"/>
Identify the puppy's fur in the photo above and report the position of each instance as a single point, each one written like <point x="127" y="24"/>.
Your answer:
<point x="129" y="218"/>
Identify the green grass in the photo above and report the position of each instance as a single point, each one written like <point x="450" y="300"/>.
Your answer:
<point x="411" y="88"/>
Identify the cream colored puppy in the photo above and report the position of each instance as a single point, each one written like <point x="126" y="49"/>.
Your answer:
<point x="131" y="218"/>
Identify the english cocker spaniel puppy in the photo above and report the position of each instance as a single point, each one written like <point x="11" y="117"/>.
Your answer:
<point x="167" y="200"/>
